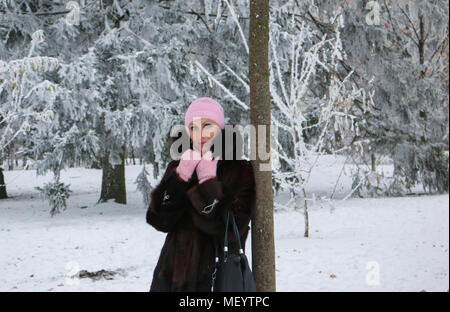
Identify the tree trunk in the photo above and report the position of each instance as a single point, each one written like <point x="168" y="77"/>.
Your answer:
<point x="95" y="165"/>
<point x="373" y="162"/>
<point x="3" y="194"/>
<point x="133" y="156"/>
<point x="306" y="215"/>
<point x="263" y="246"/>
<point x="421" y="45"/>
<point x="113" y="181"/>
<point x="10" y="158"/>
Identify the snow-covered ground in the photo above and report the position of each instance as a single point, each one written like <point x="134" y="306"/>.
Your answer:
<point x="383" y="244"/>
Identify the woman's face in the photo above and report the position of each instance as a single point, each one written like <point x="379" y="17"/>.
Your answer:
<point x="202" y="132"/>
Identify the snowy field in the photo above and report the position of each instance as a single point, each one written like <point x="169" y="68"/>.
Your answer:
<point x="383" y="244"/>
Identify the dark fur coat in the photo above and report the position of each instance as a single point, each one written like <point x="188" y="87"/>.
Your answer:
<point x="186" y="261"/>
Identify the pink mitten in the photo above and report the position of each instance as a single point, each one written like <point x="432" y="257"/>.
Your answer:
<point x="207" y="167"/>
<point x="188" y="162"/>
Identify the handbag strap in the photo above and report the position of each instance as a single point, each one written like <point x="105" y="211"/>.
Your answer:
<point x="230" y="213"/>
<point x="225" y="248"/>
<point x="216" y="266"/>
<point x="225" y="244"/>
<point x="216" y="245"/>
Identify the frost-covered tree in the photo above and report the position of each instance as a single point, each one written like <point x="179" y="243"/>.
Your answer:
<point x="52" y="137"/>
<point x="415" y="114"/>
<point x="405" y="51"/>
<point x="47" y="133"/>
<point x="113" y="76"/>
<point x="27" y="99"/>
<point x="312" y="95"/>
<point x="312" y="99"/>
<point x="123" y="68"/>
<point x="88" y="97"/>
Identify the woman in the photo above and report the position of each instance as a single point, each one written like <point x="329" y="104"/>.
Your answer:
<point x="191" y="201"/>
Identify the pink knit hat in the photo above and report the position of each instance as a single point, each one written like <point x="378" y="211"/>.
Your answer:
<point x="205" y="107"/>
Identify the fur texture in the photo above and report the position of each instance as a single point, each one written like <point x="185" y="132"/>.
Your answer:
<point x="179" y="208"/>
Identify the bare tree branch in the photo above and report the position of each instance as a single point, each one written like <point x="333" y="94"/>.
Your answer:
<point x="411" y="23"/>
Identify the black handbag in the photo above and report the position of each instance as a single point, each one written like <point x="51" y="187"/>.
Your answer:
<point x="232" y="273"/>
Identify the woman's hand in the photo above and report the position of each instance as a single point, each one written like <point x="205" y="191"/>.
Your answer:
<point x="188" y="162"/>
<point x="207" y="167"/>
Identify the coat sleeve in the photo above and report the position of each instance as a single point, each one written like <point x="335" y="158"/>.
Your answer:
<point x="167" y="202"/>
<point x="211" y="200"/>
